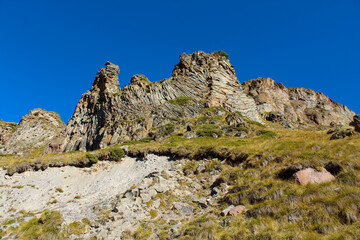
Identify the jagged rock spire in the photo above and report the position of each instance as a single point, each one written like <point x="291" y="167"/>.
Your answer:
<point x="107" y="79"/>
<point x="107" y="115"/>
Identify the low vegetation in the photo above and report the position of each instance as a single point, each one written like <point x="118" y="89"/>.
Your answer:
<point x="256" y="168"/>
<point x="48" y="225"/>
<point x="180" y="101"/>
<point x="221" y="53"/>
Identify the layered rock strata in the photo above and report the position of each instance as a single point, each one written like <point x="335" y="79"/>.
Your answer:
<point x="108" y="115"/>
<point x="299" y="106"/>
<point x="6" y="130"/>
<point x="35" y="130"/>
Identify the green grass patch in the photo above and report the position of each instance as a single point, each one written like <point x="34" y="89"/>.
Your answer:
<point x="180" y="101"/>
<point x="92" y="158"/>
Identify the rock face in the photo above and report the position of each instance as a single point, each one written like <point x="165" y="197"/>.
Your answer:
<point x="356" y="122"/>
<point x="310" y="175"/>
<point x="108" y="115"/>
<point x="35" y="129"/>
<point x="6" y="130"/>
<point x="299" y="106"/>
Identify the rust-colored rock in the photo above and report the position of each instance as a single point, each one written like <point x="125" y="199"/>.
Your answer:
<point x="310" y="175"/>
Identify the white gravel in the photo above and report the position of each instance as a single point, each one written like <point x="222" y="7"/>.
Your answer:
<point x="83" y="188"/>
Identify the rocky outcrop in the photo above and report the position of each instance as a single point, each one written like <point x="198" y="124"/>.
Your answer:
<point x="35" y="130"/>
<point x="299" y="106"/>
<point x="356" y="122"/>
<point x="108" y="115"/>
<point x="6" y="130"/>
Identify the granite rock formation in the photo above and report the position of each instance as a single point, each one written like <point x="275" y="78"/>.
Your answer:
<point x="35" y="130"/>
<point x="300" y="106"/>
<point x="108" y="115"/>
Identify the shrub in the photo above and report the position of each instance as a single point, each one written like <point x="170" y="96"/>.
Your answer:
<point x="221" y="53"/>
<point x="153" y="213"/>
<point x="48" y="226"/>
<point x="180" y="101"/>
<point x="209" y="130"/>
<point x="266" y="134"/>
<point x="190" y="167"/>
<point x="76" y="228"/>
<point x="169" y="128"/>
<point x="254" y="123"/>
<point x="92" y="158"/>
<point x="116" y="154"/>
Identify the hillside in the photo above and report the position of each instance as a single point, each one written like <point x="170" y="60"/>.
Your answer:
<point x="195" y="156"/>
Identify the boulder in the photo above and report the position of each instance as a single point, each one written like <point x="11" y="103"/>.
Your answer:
<point x="274" y="117"/>
<point x="356" y="122"/>
<point x="201" y="168"/>
<point x="342" y="134"/>
<point x="310" y="175"/>
<point x="235" y="211"/>
<point x="226" y="210"/>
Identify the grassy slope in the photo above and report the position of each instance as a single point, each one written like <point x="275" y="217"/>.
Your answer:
<point x="278" y="208"/>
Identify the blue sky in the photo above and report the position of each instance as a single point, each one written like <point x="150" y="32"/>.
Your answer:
<point x="51" y="50"/>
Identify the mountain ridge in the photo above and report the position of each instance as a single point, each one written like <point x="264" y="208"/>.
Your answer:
<point x="108" y="115"/>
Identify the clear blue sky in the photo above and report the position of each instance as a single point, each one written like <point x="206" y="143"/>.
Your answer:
<point x="50" y="50"/>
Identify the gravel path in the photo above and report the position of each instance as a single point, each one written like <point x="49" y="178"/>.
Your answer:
<point x="74" y="191"/>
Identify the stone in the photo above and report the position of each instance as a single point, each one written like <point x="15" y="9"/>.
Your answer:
<point x="356" y="122"/>
<point x="190" y="135"/>
<point x="298" y="106"/>
<point x="177" y="206"/>
<point x="234" y="119"/>
<point x="274" y="117"/>
<point x="156" y="203"/>
<point x="226" y="210"/>
<point x="145" y="197"/>
<point x="145" y="183"/>
<point x="286" y="125"/>
<point x="103" y="109"/>
<point x="341" y="134"/>
<point x="195" y="185"/>
<point x="183" y="208"/>
<point x="35" y="130"/>
<point x="235" y="211"/>
<point x="159" y="188"/>
<point x="201" y="168"/>
<point x="202" y="202"/>
<point x="312" y="176"/>
<point x="186" y="209"/>
<point x="152" y="192"/>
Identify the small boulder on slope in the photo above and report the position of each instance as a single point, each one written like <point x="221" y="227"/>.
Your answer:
<point x="310" y="175"/>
